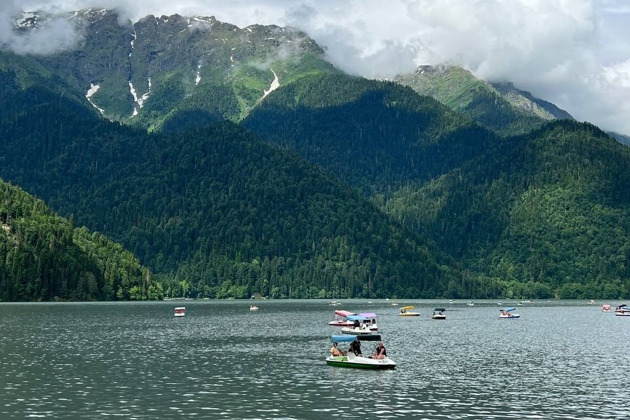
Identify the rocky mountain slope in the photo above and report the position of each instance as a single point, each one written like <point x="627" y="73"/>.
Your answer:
<point x="499" y="106"/>
<point x="142" y="72"/>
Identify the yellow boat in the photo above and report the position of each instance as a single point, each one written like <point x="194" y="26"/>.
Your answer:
<point x="407" y="311"/>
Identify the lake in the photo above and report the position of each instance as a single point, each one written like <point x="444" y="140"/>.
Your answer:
<point x="561" y="360"/>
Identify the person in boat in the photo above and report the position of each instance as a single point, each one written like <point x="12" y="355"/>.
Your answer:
<point x="380" y="352"/>
<point x="356" y="324"/>
<point x="355" y="347"/>
<point x="335" y="351"/>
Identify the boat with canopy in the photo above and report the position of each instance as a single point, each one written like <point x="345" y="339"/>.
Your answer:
<point x="507" y="313"/>
<point x="362" y="324"/>
<point x="353" y="357"/>
<point x="438" y="313"/>
<point x="622" y="310"/>
<point x="408" y="311"/>
<point x="341" y="319"/>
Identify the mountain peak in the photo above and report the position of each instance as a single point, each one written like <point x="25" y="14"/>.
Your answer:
<point x="499" y="106"/>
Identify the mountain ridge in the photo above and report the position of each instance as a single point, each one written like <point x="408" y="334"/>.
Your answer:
<point x="499" y="106"/>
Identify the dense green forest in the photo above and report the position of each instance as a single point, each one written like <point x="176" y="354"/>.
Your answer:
<point x="376" y="136"/>
<point x="546" y="213"/>
<point x="214" y="212"/>
<point x="44" y="257"/>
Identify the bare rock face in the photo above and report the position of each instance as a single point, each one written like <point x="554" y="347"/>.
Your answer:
<point x="141" y="72"/>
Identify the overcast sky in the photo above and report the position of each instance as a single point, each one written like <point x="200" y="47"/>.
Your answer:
<point x="574" y="53"/>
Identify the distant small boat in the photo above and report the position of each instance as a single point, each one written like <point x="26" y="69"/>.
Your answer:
<point x="407" y="311"/>
<point x="362" y="330"/>
<point x="438" y="313"/>
<point x="340" y="319"/>
<point x="605" y="308"/>
<point x="622" y="310"/>
<point x="334" y="303"/>
<point x="253" y="308"/>
<point x="507" y="314"/>
<point x="180" y="311"/>
<point x="471" y="303"/>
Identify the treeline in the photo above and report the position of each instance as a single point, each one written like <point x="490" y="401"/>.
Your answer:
<point x="44" y="257"/>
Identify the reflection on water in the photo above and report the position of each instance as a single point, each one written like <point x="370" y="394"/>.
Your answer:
<point x="136" y="360"/>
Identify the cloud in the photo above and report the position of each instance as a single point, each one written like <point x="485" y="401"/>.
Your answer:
<point x="52" y="35"/>
<point x="573" y="53"/>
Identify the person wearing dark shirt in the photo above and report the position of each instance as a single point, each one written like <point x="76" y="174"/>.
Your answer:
<point x="380" y="352"/>
<point x="355" y="347"/>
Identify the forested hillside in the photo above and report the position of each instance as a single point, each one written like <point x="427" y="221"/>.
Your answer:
<point x="215" y="212"/>
<point x="44" y="257"/>
<point x="460" y="184"/>
<point x="547" y="214"/>
<point x="377" y="136"/>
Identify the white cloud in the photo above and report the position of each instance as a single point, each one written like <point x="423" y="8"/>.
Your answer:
<point x="573" y="53"/>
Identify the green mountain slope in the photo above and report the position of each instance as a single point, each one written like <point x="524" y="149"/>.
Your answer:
<point x="217" y="212"/>
<point x="498" y="106"/>
<point x="44" y="257"/>
<point x="547" y="213"/>
<point x="374" y="135"/>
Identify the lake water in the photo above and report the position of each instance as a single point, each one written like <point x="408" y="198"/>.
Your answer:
<point x="561" y="360"/>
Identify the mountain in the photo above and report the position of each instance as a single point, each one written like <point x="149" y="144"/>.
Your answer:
<point x="377" y="136"/>
<point x="498" y="106"/>
<point x="141" y="73"/>
<point x="318" y="184"/>
<point x="620" y="138"/>
<point x="44" y="257"/>
<point x="214" y="212"/>
<point x="456" y="182"/>
<point x="546" y="212"/>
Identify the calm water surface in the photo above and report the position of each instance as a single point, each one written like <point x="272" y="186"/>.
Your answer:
<point x="561" y="360"/>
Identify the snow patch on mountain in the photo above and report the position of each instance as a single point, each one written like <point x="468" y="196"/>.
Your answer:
<point x="139" y="100"/>
<point x="274" y="85"/>
<point x="91" y="91"/>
